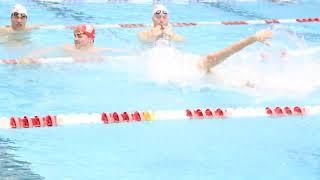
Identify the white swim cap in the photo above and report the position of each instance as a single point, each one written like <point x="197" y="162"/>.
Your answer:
<point x="18" y="8"/>
<point x="159" y="7"/>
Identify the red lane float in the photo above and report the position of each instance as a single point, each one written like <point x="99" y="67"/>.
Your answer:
<point x="36" y="121"/>
<point x="208" y="113"/>
<point x="286" y="111"/>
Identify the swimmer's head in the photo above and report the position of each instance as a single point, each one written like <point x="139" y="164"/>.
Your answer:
<point x="19" y="16"/>
<point x="84" y="36"/>
<point x="160" y="15"/>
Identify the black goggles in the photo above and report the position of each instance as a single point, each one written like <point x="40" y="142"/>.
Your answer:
<point x="16" y="14"/>
<point x="161" y="11"/>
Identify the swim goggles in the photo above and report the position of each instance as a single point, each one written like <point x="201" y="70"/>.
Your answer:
<point x="16" y="14"/>
<point x="159" y="12"/>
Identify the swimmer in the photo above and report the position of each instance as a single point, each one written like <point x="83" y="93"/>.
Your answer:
<point x="161" y="30"/>
<point x="18" y="33"/>
<point x="84" y="36"/>
<point x="19" y="18"/>
<point x="181" y="66"/>
<point x="82" y="49"/>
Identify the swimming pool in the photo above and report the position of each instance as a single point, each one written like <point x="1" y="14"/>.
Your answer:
<point x="235" y="148"/>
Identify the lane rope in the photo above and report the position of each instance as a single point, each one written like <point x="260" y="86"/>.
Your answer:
<point x="15" y="122"/>
<point x="38" y="60"/>
<point x="189" y="24"/>
<point x="54" y="60"/>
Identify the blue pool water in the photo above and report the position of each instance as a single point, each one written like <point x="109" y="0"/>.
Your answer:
<point x="153" y="79"/>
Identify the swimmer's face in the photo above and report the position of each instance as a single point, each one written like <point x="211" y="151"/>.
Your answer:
<point x="160" y="18"/>
<point x="18" y="21"/>
<point x="81" y="40"/>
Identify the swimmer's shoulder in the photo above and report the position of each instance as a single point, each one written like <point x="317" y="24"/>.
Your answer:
<point x="5" y="29"/>
<point x="68" y="47"/>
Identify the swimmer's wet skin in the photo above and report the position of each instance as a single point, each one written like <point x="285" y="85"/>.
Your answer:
<point x="161" y="29"/>
<point x="162" y="32"/>
<point x="216" y="58"/>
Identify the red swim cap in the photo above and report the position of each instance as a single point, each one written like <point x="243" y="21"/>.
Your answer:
<point x="86" y="29"/>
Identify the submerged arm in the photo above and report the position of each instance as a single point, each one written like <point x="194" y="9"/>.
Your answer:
<point x="37" y="54"/>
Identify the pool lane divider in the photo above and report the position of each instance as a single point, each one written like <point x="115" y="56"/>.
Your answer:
<point x="15" y="122"/>
<point x="190" y="24"/>
<point x="41" y="60"/>
<point x="55" y="60"/>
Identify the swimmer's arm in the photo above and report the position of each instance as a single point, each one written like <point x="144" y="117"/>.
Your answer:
<point x="173" y="35"/>
<point x="177" y="37"/>
<point x="146" y="36"/>
<point x="36" y="54"/>
<point x="68" y="48"/>
<point x="41" y="52"/>
<point x="216" y="58"/>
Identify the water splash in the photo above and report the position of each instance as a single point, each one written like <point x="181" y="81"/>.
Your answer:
<point x="287" y="68"/>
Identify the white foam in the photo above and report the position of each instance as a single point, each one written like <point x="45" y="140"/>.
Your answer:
<point x="169" y="65"/>
<point x="292" y="73"/>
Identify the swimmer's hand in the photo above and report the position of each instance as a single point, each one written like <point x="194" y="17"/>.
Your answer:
<point x="262" y="36"/>
<point x="168" y="32"/>
<point x="157" y="31"/>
